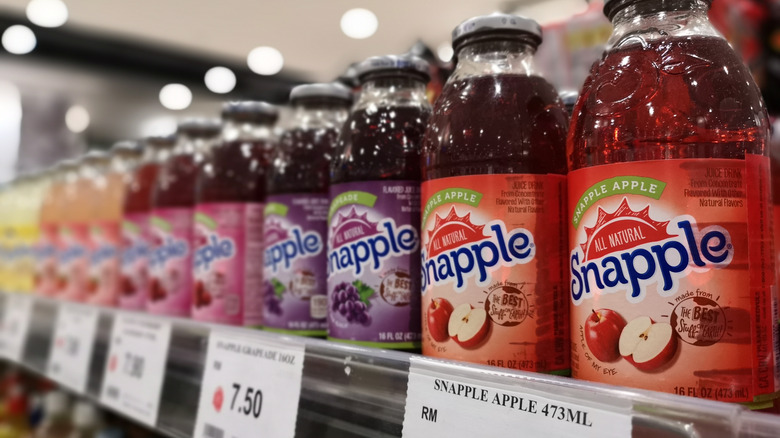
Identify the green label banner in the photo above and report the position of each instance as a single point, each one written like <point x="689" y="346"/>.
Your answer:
<point x="619" y="185"/>
<point x="206" y="220"/>
<point x="351" y="197"/>
<point x="276" y="208"/>
<point x="160" y="223"/>
<point x="455" y="195"/>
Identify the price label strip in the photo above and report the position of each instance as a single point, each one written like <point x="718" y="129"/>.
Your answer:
<point x="250" y="388"/>
<point x="136" y="366"/>
<point x="443" y="404"/>
<point x="71" y="349"/>
<point x="14" y="326"/>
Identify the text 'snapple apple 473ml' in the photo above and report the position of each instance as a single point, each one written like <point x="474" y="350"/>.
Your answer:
<point x="374" y="215"/>
<point x="669" y="205"/>
<point x="296" y="213"/>
<point x="493" y="196"/>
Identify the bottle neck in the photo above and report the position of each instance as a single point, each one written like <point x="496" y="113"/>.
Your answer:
<point x="313" y="114"/>
<point x="493" y="57"/>
<point x="389" y="91"/>
<point x="650" y="20"/>
<point x="195" y="145"/>
<point x="234" y="130"/>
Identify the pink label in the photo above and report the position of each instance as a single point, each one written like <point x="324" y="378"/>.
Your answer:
<point x="227" y="264"/>
<point x="170" y="261"/>
<point x="134" y="282"/>
<point x="73" y="262"/>
<point x="103" y="273"/>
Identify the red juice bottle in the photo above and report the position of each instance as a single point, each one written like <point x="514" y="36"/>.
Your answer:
<point x="493" y="196"/>
<point x="296" y="212"/>
<point x="374" y="214"/>
<point x="669" y="201"/>
<point x="134" y="287"/>
<point x="230" y="200"/>
<point x="171" y="221"/>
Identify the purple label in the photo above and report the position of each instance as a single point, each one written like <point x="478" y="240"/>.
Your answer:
<point x="229" y="245"/>
<point x="134" y="283"/>
<point x="295" y="287"/>
<point x="374" y="263"/>
<point x="170" y="261"/>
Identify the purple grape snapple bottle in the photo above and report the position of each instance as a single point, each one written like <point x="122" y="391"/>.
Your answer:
<point x="374" y="214"/>
<point x="296" y="212"/>
<point x="228" y="226"/>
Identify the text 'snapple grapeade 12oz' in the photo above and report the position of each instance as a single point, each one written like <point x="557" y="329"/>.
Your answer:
<point x="669" y="205"/>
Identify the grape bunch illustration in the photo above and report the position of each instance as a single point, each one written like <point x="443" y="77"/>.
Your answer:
<point x="271" y="299"/>
<point x="347" y="302"/>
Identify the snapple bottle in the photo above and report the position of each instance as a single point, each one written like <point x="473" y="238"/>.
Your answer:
<point x="134" y="282"/>
<point x="230" y="198"/>
<point x="296" y="212"/>
<point x="374" y="214"/>
<point x="669" y="205"/>
<point x="493" y="196"/>
<point x="49" y="223"/>
<point x="171" y="220"/>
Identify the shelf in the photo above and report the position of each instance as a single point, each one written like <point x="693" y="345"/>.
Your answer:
<point x="349" y="391"/>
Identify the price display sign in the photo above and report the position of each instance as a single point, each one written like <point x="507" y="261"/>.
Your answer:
<point x="14" y="326"/>
<point x="250" y="388"/>
<point x="71" y="347"/>
<point x="136" y="366"/>
<point x="440" y="403"/>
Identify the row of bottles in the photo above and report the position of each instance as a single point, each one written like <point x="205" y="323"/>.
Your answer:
<point x="631" y="245"/>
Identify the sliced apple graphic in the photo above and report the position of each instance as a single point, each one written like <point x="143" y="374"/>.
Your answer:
<point x="646" y="344"/>
<point x="468" y="326"/>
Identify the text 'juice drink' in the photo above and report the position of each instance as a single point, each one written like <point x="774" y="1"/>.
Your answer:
<point x="171" y="222"/>
<point x="669" y="205"/>
<point x="134" y="288"/>
<point x="230" y="199"/>
<point x="493" y="196"/>
<point x="374" y="214"/>
<point x="296" y="213"/>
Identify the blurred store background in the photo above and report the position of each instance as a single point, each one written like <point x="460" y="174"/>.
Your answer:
<point x="79" y="74"/>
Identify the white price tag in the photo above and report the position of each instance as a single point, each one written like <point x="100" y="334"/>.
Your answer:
<point x="71" y="348"/>
<point x="14" y="326"/>
<point x="442" y="404"/>
<point x="250" y="387"/>
<point x="136" y="366"/>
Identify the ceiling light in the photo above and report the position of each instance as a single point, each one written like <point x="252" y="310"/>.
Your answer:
<point x="77" y="118"/>
<point x="19" y="39"/>
<point x="47" y="13"/>
<point x="444" y="52"/>
<point x="220" y="80"/>
<point x="265" y="60"/>
<point x="359" y="23"/>
<point x="175" y="96"/>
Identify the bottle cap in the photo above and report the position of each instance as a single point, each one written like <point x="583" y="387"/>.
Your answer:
<point x="330" y="89"/>
<point x="131" y="146"/>
<point x="250" y="111"/>
<point x="199" y="127"/>
<point x="391" y="63"/>
<point x="611" y="7"/>
<point x="496" y="23"/>
<point x="161" y="141"/>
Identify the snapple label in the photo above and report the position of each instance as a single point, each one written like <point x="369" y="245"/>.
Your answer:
<point x="493" y="271"/>
<point x="671" y="277"/>
<point x="295" y="280"/>
<point x="134" y="282"/>
<point x="73" y="262"/>
<point x="170" y="261"/>
<point x="104" y="260"/>
<point x="226" y="263"/>
<point x="373" y="261"/>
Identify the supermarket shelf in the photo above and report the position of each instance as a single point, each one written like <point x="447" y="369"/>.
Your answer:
<point x="349" y="391"/>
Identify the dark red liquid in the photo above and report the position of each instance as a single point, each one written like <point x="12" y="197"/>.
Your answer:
<point x="175" y="185"/>
<point x="381" y="144"/>
<point x="303" y="161"/>
<point x="681" y="97"/>
<point x="496" y="124"/>
<point x="234" y="172"/>
<point x="138" y="193"/>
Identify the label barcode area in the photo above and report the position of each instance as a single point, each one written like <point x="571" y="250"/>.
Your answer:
<point x="112" y="392"/>
<point x="210" y="431"/>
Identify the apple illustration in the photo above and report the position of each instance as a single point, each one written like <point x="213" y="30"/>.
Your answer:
<point x="646" y="344"/>
<point x="438" y="318"/>
<point x="156" y="291"/>
<point x="602" y="333"/>
<point x="468" y="326"/>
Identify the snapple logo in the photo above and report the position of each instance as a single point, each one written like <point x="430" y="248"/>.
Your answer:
<point x="167" y="249"/>
<point x="45" y="251"/>
<point x="103" y="253"/>
<point x="71" y="253"/>
<point x="627" y="250"/>
<point x="284" y="247"/>
<point x="215" y="248"/>
<point x="356" y="243"/>
<point x="134" y="250"/>
<point x="458" y="249"/>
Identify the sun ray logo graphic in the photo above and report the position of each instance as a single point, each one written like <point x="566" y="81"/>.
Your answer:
<point x="274" y="232"/>
<point x="451" y="232"/>
<point x="351" y="227"/>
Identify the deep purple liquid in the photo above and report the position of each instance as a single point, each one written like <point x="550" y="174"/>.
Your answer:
<point x="381" y="144"/>
<point x="234" y="172"/>
<point x="496" y="124"/>
<point x="303" y="162"/>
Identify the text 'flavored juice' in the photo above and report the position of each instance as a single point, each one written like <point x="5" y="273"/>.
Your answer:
<point x="171" y="221"/>
<point x="230" y="198"/>
<point x="374" y="214"/>
<point x="669" y="205"/>
<point x="493" y="196"/>
<point x="296" y="212"/>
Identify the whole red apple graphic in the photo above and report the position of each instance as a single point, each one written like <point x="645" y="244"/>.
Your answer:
<point x="602" y="333"/>
<point x="646" y="344"/>
<point x="468" y="326"/>
<point x="438" y="317"/>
